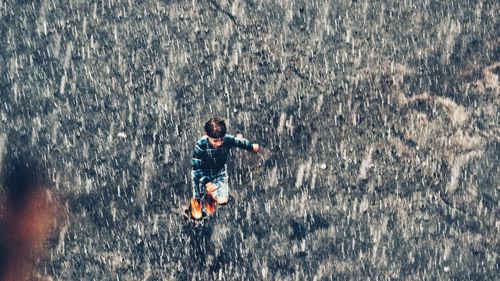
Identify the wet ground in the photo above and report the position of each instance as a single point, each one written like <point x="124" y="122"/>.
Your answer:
<point x="378" y="123"/>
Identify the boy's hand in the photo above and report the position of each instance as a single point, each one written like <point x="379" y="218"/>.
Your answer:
<point x="211" y="188"/>
<point x="255" y="148"/>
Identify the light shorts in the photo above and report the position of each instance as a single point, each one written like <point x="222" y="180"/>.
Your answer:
<point x="222" y="192"/>
<point x="219" y="178"/>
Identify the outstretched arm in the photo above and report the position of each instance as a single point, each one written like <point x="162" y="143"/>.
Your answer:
<point x="240" y="142"/>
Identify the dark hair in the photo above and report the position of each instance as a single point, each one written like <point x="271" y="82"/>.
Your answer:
<point x="215" y="128"/>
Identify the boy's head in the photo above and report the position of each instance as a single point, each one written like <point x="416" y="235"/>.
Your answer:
<point x="215" y="129"/>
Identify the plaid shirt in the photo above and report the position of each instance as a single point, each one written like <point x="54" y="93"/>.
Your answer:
<point x="207" y="161"/>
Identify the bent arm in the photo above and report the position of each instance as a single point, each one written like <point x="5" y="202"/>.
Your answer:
<point x="199" y="177"/>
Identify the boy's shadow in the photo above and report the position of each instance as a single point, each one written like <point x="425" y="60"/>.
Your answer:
<point x="199" y="242"/>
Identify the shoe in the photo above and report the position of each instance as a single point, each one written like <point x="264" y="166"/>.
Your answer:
<point x="210" y="205"/>
<point x="196" y="209"/>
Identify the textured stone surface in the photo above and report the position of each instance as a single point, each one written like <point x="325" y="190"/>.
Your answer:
<point x="378" y="122"/>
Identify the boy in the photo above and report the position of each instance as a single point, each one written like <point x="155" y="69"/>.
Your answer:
<point x="209" y="175"/>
